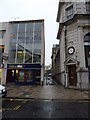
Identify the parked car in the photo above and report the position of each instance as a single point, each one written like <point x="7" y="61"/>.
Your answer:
<point x="3" y="91"/>
<point x="50" y="81"/>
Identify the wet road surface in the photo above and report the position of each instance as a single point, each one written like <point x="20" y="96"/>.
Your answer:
<point x="38" y="108"/>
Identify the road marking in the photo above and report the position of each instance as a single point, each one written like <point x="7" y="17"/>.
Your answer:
<point x="84" y="101"/>
<point x="18" y="99"/>
<point x="8" y="109"/>
<point x="17" y="107"/>
<point x="24" y="101"/>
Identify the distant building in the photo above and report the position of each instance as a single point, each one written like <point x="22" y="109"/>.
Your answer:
<point x="48" y="70"/>
<point x="22" y="52"/>
<point x="74" y="44"/>
<point x="55" y="62"/>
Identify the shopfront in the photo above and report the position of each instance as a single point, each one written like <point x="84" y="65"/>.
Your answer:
<point x="24" y="73"/>
<point x="0" y="75"/>
<point x="22" y="52"/>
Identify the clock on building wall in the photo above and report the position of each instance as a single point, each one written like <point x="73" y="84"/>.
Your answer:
<point x="71" y="50"/>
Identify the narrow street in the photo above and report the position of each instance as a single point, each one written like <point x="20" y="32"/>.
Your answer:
<point x="36" y="108"/>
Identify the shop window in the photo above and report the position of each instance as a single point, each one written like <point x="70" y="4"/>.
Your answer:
<point x="25" y="76"/>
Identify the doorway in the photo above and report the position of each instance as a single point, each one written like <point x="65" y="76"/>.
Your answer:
<point x="11" y="75"/>
<point x="72" y="75"/>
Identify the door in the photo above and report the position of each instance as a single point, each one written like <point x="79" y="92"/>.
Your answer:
<point x="72" y="75"/>
<point x="10" y="75"/>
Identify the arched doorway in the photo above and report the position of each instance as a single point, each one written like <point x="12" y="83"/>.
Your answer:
<point x="87" y="51"/>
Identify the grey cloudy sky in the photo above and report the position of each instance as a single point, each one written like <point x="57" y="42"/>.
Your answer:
<point x="32" y="10"/>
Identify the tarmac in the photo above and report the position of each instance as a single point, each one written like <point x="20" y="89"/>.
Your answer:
<point x="45" y="92"/>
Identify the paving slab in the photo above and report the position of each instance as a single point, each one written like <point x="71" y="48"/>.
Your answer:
<point x="45" y="92"/>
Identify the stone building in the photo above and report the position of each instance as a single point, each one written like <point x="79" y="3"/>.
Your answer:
<point x="55" y="62"/>
<point x="74" y="43"/>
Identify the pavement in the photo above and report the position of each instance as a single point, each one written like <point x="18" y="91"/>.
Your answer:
<point x="45" y="92"/>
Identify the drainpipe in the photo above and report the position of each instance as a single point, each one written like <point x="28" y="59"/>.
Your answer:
<point x="65" y="33"/>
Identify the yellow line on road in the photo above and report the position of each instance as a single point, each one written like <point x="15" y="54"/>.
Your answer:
<point x="17" y="107"/>
<point x="8" y="109"/>
<point x="18" y="99"/>
<point x="84" y="101"/>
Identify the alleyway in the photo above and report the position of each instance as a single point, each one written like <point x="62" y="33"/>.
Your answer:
<point x="45" y="92"/>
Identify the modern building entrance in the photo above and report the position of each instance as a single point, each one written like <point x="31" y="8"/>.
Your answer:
<point x="72" y="75"/>
<point x="24" y="74"/>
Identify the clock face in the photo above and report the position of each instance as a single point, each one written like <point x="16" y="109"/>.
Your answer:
<point x="71" y="50"/>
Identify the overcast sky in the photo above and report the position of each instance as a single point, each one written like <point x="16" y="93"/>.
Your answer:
<point x="11" y="10"/>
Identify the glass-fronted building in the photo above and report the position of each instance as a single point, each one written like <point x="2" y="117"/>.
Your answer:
<point x="25" y="50"/>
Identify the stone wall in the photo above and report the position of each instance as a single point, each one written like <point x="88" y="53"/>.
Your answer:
<point x="83" y="79"/>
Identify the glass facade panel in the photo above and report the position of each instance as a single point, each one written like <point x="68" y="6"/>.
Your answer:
<point x="26" y="42"/>
<point x="20" y="55"/>
<point x="28" y="57"/>
<point x="37" y="33"/>
<point x="37" y="37"/>
<point x="12" y="53"/>
<point x="13" y="38"/>
<point x="29" y="37"/>
<point x="21" y="37"/>
<point x="29" y="27"/>
<point x="20" y="44"/>
<point x="14" y="28"/>
<point x="37" y="43"/>
<point x="37" y="53"/>
<point x="38" y="26"/>
<point x="21" y="27"/>
<point x="36" y="58"/>
<point x="28" y="53"/>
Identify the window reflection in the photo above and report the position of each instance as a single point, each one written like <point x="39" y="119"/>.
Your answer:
<point x="29" y="37"/>
<point x="25" y="39"/>
<point x="21" y="27"/>
<point x="12" y="53"/>
<point x="20" y="54"/>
